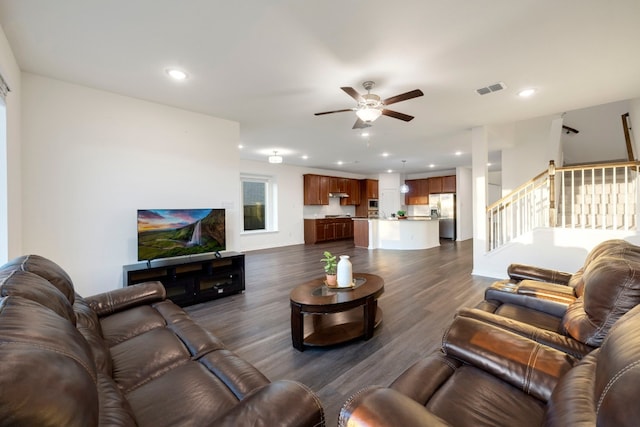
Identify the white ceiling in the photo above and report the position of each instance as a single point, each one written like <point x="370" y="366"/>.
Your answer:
<point x="272" y="64"/>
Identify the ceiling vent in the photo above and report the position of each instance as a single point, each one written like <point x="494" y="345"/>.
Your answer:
<point x="491" y="88"/>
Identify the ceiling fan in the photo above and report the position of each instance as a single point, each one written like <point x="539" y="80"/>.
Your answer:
<point x="370" y="107"/>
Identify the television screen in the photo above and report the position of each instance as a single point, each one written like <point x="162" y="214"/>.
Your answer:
<point x="164" y="233"/>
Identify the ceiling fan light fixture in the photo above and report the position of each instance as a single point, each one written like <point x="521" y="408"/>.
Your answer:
<point x="275" y="158"/>
<point x="367" y="114"/>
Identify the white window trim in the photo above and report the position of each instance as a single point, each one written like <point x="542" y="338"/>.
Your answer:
<point x="271" y="198"/>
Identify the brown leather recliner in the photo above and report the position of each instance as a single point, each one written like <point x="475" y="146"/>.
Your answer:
<point x="128" y="357"/>
<point x="575" y="314"/>
<point x="488" y="376"/>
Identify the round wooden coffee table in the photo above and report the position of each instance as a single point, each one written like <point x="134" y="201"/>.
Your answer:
<point x="322" y="316"/>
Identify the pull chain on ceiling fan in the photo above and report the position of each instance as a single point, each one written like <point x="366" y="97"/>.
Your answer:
<point x="370" y="107"/>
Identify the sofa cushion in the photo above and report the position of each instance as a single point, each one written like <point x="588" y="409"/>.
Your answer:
<point x="157" y="349"/>
<point x="47" y="377"/>
<point x="33" y="287"/>
<point x="464" y="395"/>
<point x="46" y="269"/>
<point x="89" y="326"/>
<point x="612" y="288"/>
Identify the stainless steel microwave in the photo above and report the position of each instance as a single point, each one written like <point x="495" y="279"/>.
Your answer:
<point x="373" y="203"/>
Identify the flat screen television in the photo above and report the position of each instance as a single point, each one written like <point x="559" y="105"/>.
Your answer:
<point x="165" y="233"/>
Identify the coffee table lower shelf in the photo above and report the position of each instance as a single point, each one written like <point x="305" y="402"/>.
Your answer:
<point x="335" y="328"/>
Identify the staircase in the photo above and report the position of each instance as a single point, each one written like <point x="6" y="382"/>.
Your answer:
<point x="595" y="197"/>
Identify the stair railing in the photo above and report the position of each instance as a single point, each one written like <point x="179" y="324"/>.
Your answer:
<point x="596" y="196"/>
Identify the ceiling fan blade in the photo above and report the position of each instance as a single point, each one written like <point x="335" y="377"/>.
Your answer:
<point x="353" y="93"/>
<point x="396" y="115"/>
<point x="361" y="124"/>
<point x="336" y="111"/>
<point x="403" y="97"/>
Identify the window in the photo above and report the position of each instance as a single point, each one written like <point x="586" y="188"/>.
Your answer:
<point x="258" y="202"/>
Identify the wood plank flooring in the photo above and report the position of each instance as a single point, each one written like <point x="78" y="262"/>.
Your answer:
<point x="423" y="289"/>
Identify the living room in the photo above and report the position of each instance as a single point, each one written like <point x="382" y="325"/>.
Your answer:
<point x="81" y="160"/>
<point x="89" y="158"/>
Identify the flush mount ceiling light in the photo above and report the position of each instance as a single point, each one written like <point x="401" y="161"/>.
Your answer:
<point x="176" y="74"/>
<point x="275" y="158"/>
<point x="526" y="93"/>
<point x="404" y="188"/>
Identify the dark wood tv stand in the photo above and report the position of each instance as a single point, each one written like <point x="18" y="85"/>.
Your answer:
<point x="193" y="279"/>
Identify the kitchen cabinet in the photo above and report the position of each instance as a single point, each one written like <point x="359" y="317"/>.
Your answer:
<point x="316" y="189"/>
<point x="338" y="185"/>
<point x="353" y="190"/>
<point x="419" y="189"/>
<point x="449" y="184"/>
<point x="435" y="185"/>
<point x="418" y="192"/>
<point x="325" y="229"/>
<point x="370" y="188"/>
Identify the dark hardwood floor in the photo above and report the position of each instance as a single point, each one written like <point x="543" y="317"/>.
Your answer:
<point x="423" y="289"/>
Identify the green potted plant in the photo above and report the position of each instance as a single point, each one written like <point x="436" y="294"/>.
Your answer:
<point x="402" y="214"/>
<point x="330" y="268"/>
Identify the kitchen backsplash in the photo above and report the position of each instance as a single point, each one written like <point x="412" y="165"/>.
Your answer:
<point x="333" y="208"/>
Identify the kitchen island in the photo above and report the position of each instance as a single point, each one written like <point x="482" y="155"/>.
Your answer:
<point x="410" y="233"/>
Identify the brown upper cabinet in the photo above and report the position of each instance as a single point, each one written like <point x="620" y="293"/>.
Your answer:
<point x="338" y="185"/>
<point x="316" y="190"/>
<point x="419" y="189"/>
<point x="318" y="187"/>
<point x="370" y="188"/>
<point x="435" y="185"/>
<point x="418" y="192"/>
<point x="353" y="190"/>
<point x="449" y="184"/>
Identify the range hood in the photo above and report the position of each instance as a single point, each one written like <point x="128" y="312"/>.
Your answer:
<point x="338" y="195"/>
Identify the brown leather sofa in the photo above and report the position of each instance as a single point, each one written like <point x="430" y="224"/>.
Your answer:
<point x="488" y="376"/>
<point x="128" y="357"/>
<point x="570" y="312"/>
<point x="533" y="353"/>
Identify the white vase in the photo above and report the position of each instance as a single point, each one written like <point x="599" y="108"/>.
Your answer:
<point x="345" y="272"/>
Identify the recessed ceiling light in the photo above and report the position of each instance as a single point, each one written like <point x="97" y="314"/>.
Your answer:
<point x="305" y="157"/>
<point x="432" y="165"/>
<point x="176" y="74"/>
<point x="364" y="134"/>
<point x="385" y="154"/>
<point x="240" y="146"/>
<point x="340" y="162"/>
<point x="488" y="164"/>
<point x="526" y="93"/>
<point x="389" y="170"/>
<point x="458" y="153"/>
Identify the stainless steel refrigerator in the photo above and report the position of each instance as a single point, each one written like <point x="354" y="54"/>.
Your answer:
<point x="444" y="206"/>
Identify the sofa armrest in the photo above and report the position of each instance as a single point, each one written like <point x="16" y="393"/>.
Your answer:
<point x="530" y="366"/>
<point x="560" y="342"/>
<point x="380" y="407"/>
<point x="541" y="296"/>
<point x="124" y="298"/>
<point x="523" y="271"/>
<point x="282" y="403"/>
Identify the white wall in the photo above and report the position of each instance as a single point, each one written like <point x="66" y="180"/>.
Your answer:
<point x="529" y="155"/>
<point x="11" y="203"/>
<point x="92" y="158"/>
<point x="554" y="248"/>
<point x="464" y="204"/>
